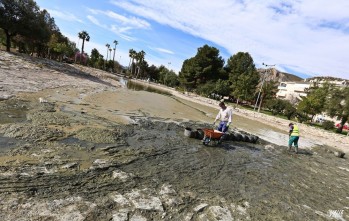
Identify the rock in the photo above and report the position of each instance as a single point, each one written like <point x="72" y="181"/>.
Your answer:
<point x="219" y="213"/>
<point x="140" y="200"/>
<point x="200" y="207"/>
<point x="339" y="154"/>
<point x="120" y="216"/>
<point x="100" y="164"/>
<point x="138" y="217"/>
<point x="69" y="165"/>
<point x="121" y="175"/>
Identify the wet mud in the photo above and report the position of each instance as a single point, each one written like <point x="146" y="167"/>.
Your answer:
<point x="72" y="164"/>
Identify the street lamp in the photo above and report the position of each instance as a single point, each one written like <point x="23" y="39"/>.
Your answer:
<point x="263" y="79"/>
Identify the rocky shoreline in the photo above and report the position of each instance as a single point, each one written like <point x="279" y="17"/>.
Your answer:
<point x="80" y="155"/>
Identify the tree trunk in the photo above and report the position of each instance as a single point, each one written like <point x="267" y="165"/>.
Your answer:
<point x="129" y="65"/>
<point x="132" y="67"/>
<point x="8" y="40"/>
<point x="343" y="121"/>
<point x="82" y="50"/>
<point x="260" y="104"/>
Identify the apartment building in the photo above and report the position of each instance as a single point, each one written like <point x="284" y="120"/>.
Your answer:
<point x="292" y="90"/>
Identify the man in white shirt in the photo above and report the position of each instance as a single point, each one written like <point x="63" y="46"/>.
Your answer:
<point x="224" y="115"/>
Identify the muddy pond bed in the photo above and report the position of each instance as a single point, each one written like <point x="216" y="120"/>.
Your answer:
<point x="71" y="164"/>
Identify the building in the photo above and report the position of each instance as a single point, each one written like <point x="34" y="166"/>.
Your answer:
<point x="292" y="90"/>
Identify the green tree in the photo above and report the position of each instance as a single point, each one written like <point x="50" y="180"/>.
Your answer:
<point x="276" y="106"/>
<point x="85" y="37"/>
<point x="153" y="73"/>
<point x="94" y="57"/>
<point x="132" y="54"/>
<point x="207" y="89"/>
<point x="268" y="91"/>
<point x="171" y="79"/>
<point x="22" y="17"/>
<point x="187" y="75"/>
<point x="139" y="56"/>
<point x="289" y="110"/>
<point x="12" y="18"/>
<point x="205" y="66"/>
<point x="222" y="87"/>
<point x="243" y="76"/>
<point x="314" y="102"/>
<point x="338" y="105"/>
<point x="115" y="43"/>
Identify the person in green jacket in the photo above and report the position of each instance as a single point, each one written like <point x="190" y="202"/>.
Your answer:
<point x="294" y="137"/>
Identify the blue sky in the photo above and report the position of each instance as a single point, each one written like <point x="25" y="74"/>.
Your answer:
<point x="303" y="37"/>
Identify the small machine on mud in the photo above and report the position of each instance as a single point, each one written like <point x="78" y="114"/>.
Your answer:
<point x="212" y="135"/>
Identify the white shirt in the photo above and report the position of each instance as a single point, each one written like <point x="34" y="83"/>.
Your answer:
<point x="225" y="115"/>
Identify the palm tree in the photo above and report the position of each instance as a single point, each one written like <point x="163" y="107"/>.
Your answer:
<point x="85" y="37"/>
<point x="116" y="43"/>
<point x="110" y="53"/>
<point x="108" y="46"/>
<point x="132" y="54"/>
<point x="140" y="58"/>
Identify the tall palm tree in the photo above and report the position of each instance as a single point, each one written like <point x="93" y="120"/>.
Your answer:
<point x="132" y="54"/>
<point x="110" y="53"/>
<point x="140" y="58"/>
<point x="85" y="37"/>
<point x="116" y="43"/>
<point x="108" y="46"/>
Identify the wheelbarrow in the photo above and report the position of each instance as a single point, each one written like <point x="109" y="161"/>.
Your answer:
<point x="212" y="135"/>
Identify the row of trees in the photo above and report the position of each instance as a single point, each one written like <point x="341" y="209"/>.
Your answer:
<point x="326" y="98"/>
<point x="32" y="30"/>
<point x="207" y="74"/>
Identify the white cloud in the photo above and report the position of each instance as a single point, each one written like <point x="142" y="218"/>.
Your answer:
<point x="164" y="50"/>
<point x="120" y="31"/>
<point x="124" y="25"/>
<point x="64" y="15"/>
<point x="307" y="36"/>
<point x="96" y="22"/>
<point x="132" y="21"/>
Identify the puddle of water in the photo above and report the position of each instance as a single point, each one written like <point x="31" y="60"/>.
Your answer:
<point x="12" y="115"/>
<point x="7" y="143"/>
<point x="82" y="143"/>
<point x="140" y="87"/>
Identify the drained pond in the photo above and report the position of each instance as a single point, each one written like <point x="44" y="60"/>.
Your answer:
<point x="121" y="154"/>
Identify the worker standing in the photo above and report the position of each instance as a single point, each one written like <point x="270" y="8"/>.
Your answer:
<point x="293" y="137"/>
<point x="224" y="115"/>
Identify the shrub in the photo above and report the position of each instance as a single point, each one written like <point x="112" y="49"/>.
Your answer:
<point x="328" y="125"/>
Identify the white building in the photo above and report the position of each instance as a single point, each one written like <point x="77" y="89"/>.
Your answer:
<point x="292" y="90"/>
<point x="337" y="83"/>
